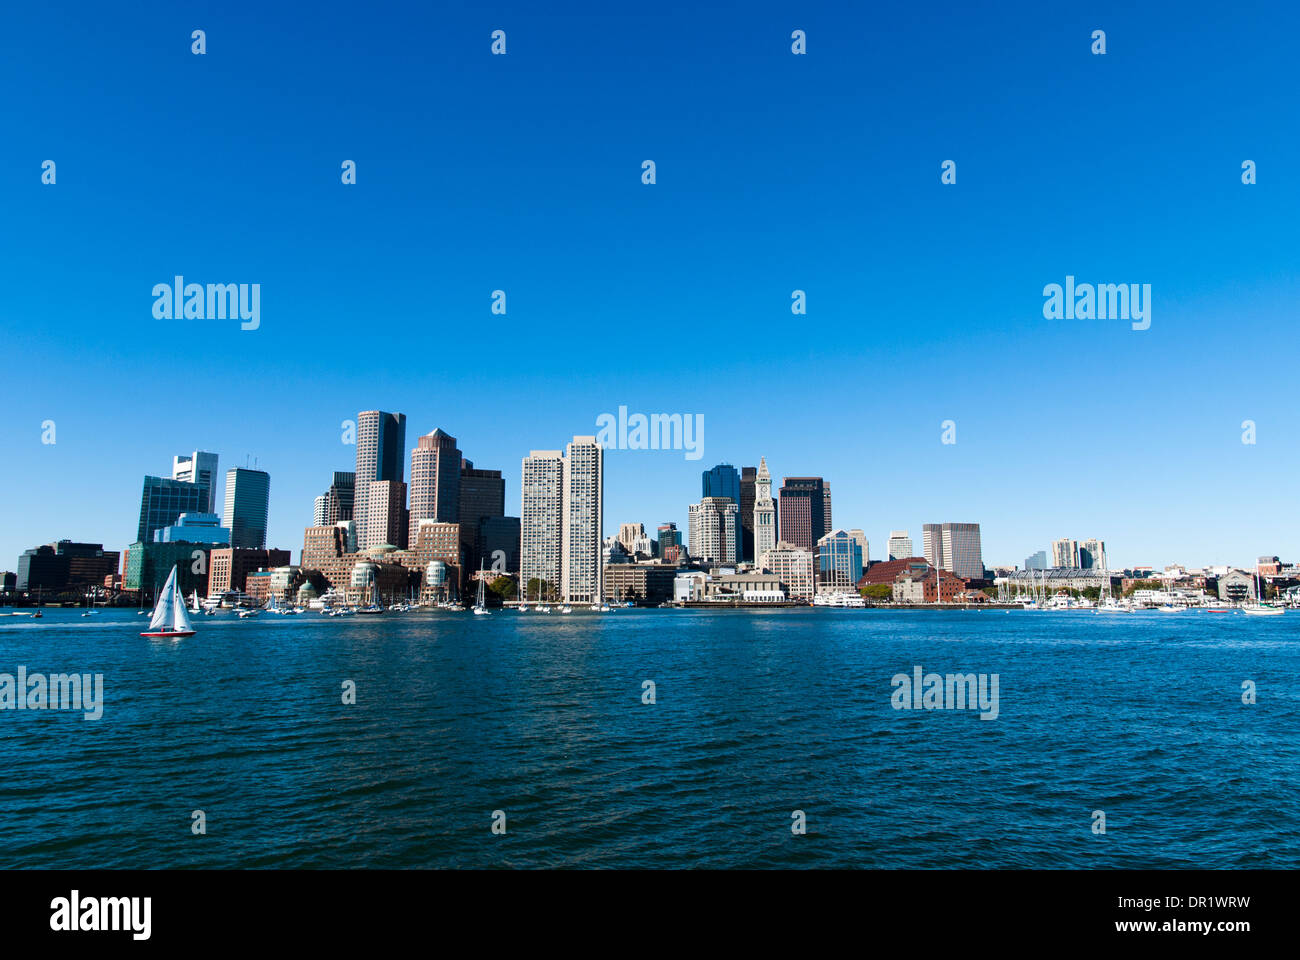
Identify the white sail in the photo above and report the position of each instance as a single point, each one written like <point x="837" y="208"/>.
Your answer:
<point x="162" y="611"/>
<point x="180" y="616"/>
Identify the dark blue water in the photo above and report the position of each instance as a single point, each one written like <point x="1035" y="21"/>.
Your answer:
<point x="758" y="714"/>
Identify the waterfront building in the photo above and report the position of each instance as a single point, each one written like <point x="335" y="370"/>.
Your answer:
<point x="746" y="588"/>
<point x="954" y="547"/>
<point x="541" y="524"/>
<point x="162" y="501"/>
<point x="764" y="522"/>
<point x="942" y="586"/>
<point x="149" y="564"/>
<point x="804" y="511"/>
<point x="64" y="566"/>
<point x="793" y="566"/>
<point x="1056" y="578"/>
<point x="229" y="567"/>
<point x="194" y="528"/>
<point x="643" y="583"/>
<point x="840" y="557"/>
<point x="712" y="530"/>
<point x="887" y="571"/>
<point x="381" y="449"/>
<point x="900" y="545"/>
<point x="1236" y="586"/>
<point x="199" y="468"/>
<point x="583" y="516"/>
<point x="248" y="499"/>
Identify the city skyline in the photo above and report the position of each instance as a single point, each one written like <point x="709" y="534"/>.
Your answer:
<point x="399" y="509"/>
<point x="913" y="288"/>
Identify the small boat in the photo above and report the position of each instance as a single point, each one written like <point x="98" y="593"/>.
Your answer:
<point x="170" y="619"/>
<point x="1262" y="610"/>
<point x="480" y="603"/>
<point x="246" y="614"/>
<point x="566" y="609"/>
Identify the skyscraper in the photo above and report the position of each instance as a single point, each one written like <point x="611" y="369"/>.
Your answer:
<point x="320" y="510"/>
<point x="670" y="542"/>
<point x="381" y="450"/>
<point x="435" y="482"/>
<point x="1065" y="552"/>
<point x="748" y="481"/>
<point x="804" y="511"/>
<point x="1036" y="561"/>
<point x="581" y="568"/>
<point x="338" y="499"/>
<point x="248" y="498"/>
<point x="541" y="523"/>
<point x="900" y="545"/>
<point x="764" y="512"/>
<point x="200" y="468"/>
<point x="954" y="547"/>
<point x="712" y="529"/>
<point x="482" y="501"/>
<point x="724" y="481"/>
<point x="386" y="514"/>
<point x="1092" y="554"/>
<point x="162" y="501"/>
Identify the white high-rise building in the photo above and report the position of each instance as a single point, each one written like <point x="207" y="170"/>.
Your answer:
<point x="320" y="512"/>
<point x="954" y="547"/>
<point x="541" y="522"/>
<point x="900" y="545"/>
<point x="793" y="566"/>
<point x="712" y="530"/>
<point x="764" y="512"/>
<point x="581" y="567"/>
<point x="201" y="468"/>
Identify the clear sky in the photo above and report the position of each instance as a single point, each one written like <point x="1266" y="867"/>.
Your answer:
<point x="775" y="172"/>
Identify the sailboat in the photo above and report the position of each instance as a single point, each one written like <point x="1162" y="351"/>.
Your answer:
<point x="194" y="603"/>
<point x="170" y="619"/>
<point x="480" y="605"/>
<point x="1259" y="608"/>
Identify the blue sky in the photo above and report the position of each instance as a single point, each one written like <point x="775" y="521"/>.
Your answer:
<point x="775" y="172"/>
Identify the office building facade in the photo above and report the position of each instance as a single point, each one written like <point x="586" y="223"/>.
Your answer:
<point x="248" y="500"/>
<point x="541" y="512"/>
<point x="199" y="468"/>
<point x="581" y="565"/>
<point x="954" y="547"/>
<point x="381" y="452"/>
